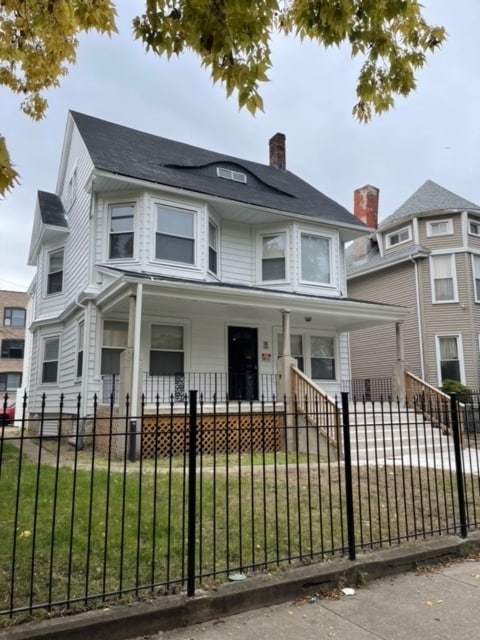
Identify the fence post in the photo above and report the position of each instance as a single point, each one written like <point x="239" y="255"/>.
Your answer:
<point x="192" y="482"/>
<point x="348" y="476"/>
<point x="132" y="436"/>
<point x="458" y="465"/>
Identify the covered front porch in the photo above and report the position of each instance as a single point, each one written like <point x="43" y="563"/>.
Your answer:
<point x="162" y="337"/>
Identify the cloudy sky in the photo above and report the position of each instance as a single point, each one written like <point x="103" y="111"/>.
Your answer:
<point x="431" y="135"/>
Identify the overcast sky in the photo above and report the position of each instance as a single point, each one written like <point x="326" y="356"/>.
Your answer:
<point x="433" y="134"/>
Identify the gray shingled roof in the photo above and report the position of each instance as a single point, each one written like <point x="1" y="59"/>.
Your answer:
<point x="429" y="197"/>
<point x="374" y="261"/>
<point x="131" y="153"/>
<point x="51" y="209"/>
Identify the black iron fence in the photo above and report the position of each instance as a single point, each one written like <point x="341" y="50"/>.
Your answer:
<point x="118" y="505"/>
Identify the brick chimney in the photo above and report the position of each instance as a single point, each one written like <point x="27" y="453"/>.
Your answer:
<point x="277" y="151"/>
<point x="365" y="205"/>
<point x="365" y="208"/>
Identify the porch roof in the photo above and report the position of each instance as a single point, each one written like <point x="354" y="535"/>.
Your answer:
<point x="183" y="296"/>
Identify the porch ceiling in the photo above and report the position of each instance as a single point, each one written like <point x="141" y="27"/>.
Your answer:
<point x="243" y="305"/>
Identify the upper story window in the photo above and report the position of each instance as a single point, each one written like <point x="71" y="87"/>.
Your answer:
<point x="167" y="350"/>
<point x="315" y="259"/>
<point x="474" y="227"/>
<point x="55" y="272"/>
<point x="13" y="349"/>
<point x="175" y="238"/>
<point x="212" y="247"/>
<point x="14" y="317"/>
<point x="71" y="193"/>
<point x="476" y="277"/>
<point x="273" y="257"/>
<point x="229" y="174"/>
<point x="399" y="237"/>
<point x="444" y="280"/>
<point x="439" y="228"/>
<point x="121" y="231"/>
<point x="51" y="348"/>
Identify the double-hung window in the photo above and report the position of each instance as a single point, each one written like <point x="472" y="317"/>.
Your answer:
<point x="296" y="349"/>
<point x="10" y="381"/>
<point x="175" y="238"/>
<point x="315" y="259"/>
<point x="322" y="358"/>
<point x="50" y="360"/>
<point x="443" y="278"/>
<point x="14" y="317"/>
<point x="115" y="336"/>
<point x="273" y="257"/>
<point x="13" y="349"/>
<point x="212" y="247"/>
<point x="166" y="350"/>
<point x="448" y="355"/>
<point x="55" y="272"/>
<point x="476" y="277"/>
<point x="121" y="231"/>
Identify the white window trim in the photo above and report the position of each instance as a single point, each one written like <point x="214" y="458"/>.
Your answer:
<point x="44" y="340"/>
<point x="458" y="336"/>
<point x="454" y="276"/>
<point x="388" y="237"/>
<point x="307" y="350"/>
<point x="473" y="257"/>
<point x="187" y="365"/>
<point x="431" y="223"/>
<point x="214" y="223"/>
<point x="47" y="272"/>
<point x="115" y="203"/>
<point x="259" y="253"/>
<point x="197" y="240"/>
<point x="470" y="232"/>
<point x="331" y="248"/>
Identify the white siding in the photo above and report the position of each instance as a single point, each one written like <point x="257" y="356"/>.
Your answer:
<point x="237" y="253"/>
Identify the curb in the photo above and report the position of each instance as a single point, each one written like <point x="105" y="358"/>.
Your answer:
<point x="171" y="612"/>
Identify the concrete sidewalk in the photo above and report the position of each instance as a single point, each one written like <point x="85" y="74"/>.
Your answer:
<point x="405" y="594"/>
<point x="438" y="604"/>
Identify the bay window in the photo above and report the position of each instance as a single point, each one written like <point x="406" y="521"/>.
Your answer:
<point x="175" y="237"/>
<point x="443" y="278"/>
<point x="315" y="259"/>
<point x="121" y="231"/>
<point x="51" y="348"/>
<point x="55" y="272"/>
<point x="273" y="257"/>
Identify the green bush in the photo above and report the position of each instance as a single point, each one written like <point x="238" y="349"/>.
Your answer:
<point x="464" y="394"/>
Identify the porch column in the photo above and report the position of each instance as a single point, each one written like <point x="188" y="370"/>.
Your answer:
<point x="130" y="358"/>
<point x="398" y="373"/>
<point x="136" y="374"/>
<point x="284" y="385"/>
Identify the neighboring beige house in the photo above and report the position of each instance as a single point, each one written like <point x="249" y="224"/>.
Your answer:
<point x="12" y="340"/>
<point x="425" y="256"/>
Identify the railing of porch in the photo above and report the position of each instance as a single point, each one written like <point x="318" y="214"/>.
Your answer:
<point x="316" y="405"/>
<point x="428" y="400"/>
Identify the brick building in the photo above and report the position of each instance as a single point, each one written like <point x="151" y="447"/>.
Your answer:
<point x="12" y="339"/>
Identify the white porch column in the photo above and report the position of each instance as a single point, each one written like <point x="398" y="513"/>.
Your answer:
<point x="130" y="358"/>
<point x="398" y="373"/>
<point x="284" y="385"/>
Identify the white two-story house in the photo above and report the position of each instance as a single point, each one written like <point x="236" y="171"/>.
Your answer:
<point x="163" y="267"/>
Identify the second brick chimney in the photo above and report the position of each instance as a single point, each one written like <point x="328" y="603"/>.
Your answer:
<point x="365" y="205"/>
<point x="277" y="151"/>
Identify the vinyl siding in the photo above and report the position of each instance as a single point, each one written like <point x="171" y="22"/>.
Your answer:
<point x="450" y="241"/>
<point x="237" y="253"/>
<point x="373" y="351"/>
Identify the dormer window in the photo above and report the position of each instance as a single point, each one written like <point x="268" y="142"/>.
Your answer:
<point x="474" y="227"/>
<point x="399" y="237"/>
<point x="439" y="227"/>
<point x="229" y="174"/>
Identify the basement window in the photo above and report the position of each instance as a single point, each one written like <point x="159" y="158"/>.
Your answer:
<point x="229" y="174"/>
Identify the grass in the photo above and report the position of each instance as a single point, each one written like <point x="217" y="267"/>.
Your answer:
<point x="73" y="534"/>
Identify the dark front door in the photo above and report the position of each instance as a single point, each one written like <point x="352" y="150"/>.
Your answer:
<point x="242" y="363"/>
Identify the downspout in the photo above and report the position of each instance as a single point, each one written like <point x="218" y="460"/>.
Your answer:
<point x="419" y="319"/>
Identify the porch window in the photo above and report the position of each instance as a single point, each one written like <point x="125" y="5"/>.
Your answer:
<point x="55" y="272"/>
<point x="273" y="257"/>
<point x="175" y="239"/>
<point x="13" y="349"/>
<point x="115" y="337"/>
<point x="121" y="231"/>
<point x="315" y="259"/>
<point x="476" y="277"/>
<point x="212" y="247"/>
<point x="448" y="352"/>
<point x="322" y="357"/>
<point x="14" y="317"/>
<point x="296" y="349"/>
<point x="50" y="360"/>
<point x="167" y="350"/>
<point x="10" y="381"/>
<point x="443" y="278"/>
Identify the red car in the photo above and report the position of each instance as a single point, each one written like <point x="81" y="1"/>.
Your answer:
<point x="7" y="414"/>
